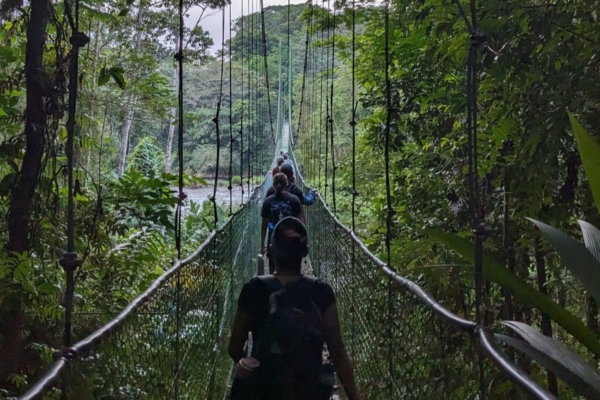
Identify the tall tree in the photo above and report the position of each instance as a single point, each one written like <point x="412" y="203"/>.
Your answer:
<point x="23" y="192"/>
<point x="129" y="106"/>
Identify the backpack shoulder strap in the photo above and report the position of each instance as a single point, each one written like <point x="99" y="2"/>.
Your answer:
<point x="271" y="283"/>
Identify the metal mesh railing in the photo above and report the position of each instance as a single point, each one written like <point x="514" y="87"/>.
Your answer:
<point x="403" y="343"/>
<point x="171" y="342"/>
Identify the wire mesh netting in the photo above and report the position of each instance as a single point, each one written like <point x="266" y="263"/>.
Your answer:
<point x="401" y="347"/>
<point x="173" y="342"/>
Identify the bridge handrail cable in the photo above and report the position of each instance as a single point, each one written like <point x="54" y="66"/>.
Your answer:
<point x="482" y="334"/>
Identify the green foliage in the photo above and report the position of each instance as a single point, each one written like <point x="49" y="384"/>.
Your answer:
<point x="115" y="72"/>
<point x="495" y="271"/>
<point x="589" y="150"/>
<point x="147" y="158"/>
<point x="142" y="201"/>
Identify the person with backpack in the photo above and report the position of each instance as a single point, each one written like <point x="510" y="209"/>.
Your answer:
<point x="291" y="317"/>
<point x="288" y="170"/>
<point x="287" y="159"/>
<point x="276" y="206"/>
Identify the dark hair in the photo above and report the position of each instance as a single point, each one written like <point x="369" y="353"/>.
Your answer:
<point x="286" y="156"/>
<point x="280" y="182"/>
<point x="289" y="242"/>
<point x="287" y="169"/>
<point x="280" y="160"/>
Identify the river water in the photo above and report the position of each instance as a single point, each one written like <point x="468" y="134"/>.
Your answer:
<point x="198" y="195"/>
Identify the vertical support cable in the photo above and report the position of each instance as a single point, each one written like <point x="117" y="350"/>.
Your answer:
<point x="231" y="139"/>
<point x="353" y="121"/>
<point x="264" y="41"/>
<point x="70" y="262"/>
<point x="327" y="106"/>
<point x="333" y="166"/>
<point x="480" y="230"/>
<point x="216" y="122"/>
<point x="181" y="196"/>
<point x="251" y="98"/>
<point x="388" y="191"/>
<point x="241" y="132"/>
<point x="304" y="68"/>
<point x="279" y="119"/>
<point x="321" y="96"/>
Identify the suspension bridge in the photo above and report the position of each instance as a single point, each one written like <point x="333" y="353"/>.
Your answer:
<point x="171" y="341"/>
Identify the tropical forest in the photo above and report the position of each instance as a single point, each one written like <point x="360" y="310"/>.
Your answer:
<point x="453" y="148"/>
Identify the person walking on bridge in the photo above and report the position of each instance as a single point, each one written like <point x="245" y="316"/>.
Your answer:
<point x="288" y="170"/>
<point x="278" y="204"/>
<point x="291" y="317"/>
<point x="278" y="163"/>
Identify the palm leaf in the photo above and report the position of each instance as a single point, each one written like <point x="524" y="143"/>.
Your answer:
<point x="556" y="357"/>
<point x="591" y="237"/>
<point x="495" y="271"/>
<point x="588" y="150"/>
<point x="575" y="256"/>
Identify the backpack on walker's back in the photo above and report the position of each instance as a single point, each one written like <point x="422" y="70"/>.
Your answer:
<point x="290" y="345"/>
<point x="280" y="208"/>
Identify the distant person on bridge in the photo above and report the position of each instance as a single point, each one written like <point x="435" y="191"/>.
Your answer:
<point x="287" y="159"/>
<point x="290" y="316"/>
<point x="278" y="204"/>
<point x="278" y="163"/>
<point x="288" y="170"/>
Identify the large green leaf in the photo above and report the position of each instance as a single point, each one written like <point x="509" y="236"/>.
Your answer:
<point x="566" y="366"/>
<point x="576" y="257"/>
<point x="589" y="149"/>
<point x="495" y="271"/>
<point x="591" y="237"/>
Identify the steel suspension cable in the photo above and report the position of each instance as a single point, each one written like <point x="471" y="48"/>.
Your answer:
<point x="231" y="139"/>
<point x="333" y="166"/>
<point x="250" y="116"/>
<point x="353" y="121"/>
<point x="304" y="71"/>
<point x="252" y="96"/>
<point x="321" y="95"/>
<point x="241" y="131"/>
<point x="264" y="41"/>
<point x="480" y="230"/>
<point x="70" y="261"/>
<point x="216" y="122"/>
<point x="327" y="99"/>
<point x="388" y="192"/>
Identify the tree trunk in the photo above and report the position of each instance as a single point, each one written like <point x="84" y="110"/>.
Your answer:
<point x="130" y="102"/>
<point x="169" y="160"/>
<point x="125" y="135"/>
<point x="23" y="192"/>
